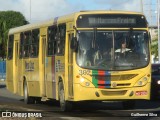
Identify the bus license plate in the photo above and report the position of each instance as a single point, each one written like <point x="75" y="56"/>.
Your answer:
<point x="138" y="93"/>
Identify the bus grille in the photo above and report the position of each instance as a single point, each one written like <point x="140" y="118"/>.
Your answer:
<point x="116" y="77"/>
<point x="109" y="81"/>
<point x="125" y="84"/>
<point x="112" y="93"/>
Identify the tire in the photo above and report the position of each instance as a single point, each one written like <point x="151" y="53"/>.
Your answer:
<point x="65" y="105"/>
<point x="128" y="105"/>
<point x="27" y="99"/>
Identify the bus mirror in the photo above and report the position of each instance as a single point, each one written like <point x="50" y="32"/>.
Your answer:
<point x="146" y="35"/>
<point x="74" y="43"/>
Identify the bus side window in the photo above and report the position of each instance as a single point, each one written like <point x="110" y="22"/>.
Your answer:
<point x="52" y="30"/>
<point x="27" y="39"/>
<point x="21" y="46"/>
<point x="60" y="41"/>
<point x="34" y="45"/>
<point x="10" y="47"/>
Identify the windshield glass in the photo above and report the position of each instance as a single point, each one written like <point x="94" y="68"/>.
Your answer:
<point x="113" y="50"/>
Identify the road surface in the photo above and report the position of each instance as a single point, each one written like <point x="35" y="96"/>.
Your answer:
<point x="83" y="111"/>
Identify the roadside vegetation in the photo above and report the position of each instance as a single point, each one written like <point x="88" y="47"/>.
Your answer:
<point x="8" y="19"/>
<point x="154" y="46"/>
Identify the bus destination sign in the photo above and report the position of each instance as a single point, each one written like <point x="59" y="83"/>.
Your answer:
<point x="99" y="20"/>
<point x="111" y="21"/>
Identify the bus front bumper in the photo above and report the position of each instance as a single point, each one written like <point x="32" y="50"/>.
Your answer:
<point x="85" y="93"/>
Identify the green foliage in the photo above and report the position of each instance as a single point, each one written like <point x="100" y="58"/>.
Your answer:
<point x="12" y="19"/>
<point x="3" y="38"/>
<point x="8" y="19"/>
<point x="154" y="46"/>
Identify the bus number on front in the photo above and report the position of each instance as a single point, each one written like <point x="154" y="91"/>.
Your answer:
<point x="84" y="72"/>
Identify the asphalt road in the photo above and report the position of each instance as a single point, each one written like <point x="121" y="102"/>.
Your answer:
<point x="83" y="111"/>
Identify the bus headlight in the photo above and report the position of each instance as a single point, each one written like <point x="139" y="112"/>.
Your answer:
<point x="85" y="83"/>
<point x="143" y="81"/>
<point x="158" y="82"/>
<point x="81" y="80"/>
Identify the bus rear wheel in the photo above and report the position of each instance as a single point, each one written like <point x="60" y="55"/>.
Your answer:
<point x="27" y="99"/>
<point x="65" y="105"/>
<point x="128" y="104"/>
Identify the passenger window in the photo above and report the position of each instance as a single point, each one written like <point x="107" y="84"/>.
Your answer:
<point x="60" y="41"/>
<point x="34" y="45"/>
<point x="21" y="46"/>
<point x="52" y="30"/>
<point x="26" y="44"/>
<point x="10" y="47"/>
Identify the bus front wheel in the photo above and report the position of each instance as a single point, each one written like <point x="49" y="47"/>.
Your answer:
<point x="27" y="99"/>
<point x="65" y="105"/>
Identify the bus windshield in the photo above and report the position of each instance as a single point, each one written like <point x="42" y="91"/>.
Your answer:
<point x="112" y="50"/>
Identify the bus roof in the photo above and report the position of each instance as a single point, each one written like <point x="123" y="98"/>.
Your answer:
<point x="66" y="18"/>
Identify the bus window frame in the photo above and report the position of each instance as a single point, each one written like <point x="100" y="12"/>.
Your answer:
<point x="26" y="45"/>
<point x="35" y="43"/>
<point x="11" y="37"/>
<point x="60" y="42"/>
<point x="21" y="48"/>
<point x="54" y="28"/>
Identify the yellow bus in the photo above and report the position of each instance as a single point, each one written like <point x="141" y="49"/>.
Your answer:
<point x="84" y="56"/>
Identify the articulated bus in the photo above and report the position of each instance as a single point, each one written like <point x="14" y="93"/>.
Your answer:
<point x="75" y="58"/>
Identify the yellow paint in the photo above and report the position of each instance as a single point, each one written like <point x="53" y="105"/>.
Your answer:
<point x="42" y="83"/>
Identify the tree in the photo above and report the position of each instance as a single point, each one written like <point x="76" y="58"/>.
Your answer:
<point x="8" y="19"/>
<point x="154" y="47"/>
<point x="3" y="38"/>
<point x="12" y="18"/>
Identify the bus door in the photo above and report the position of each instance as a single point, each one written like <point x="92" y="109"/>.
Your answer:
<point x="43" y="67"/>
<point x="70" y="67"/>
<point x="15" y="66"/>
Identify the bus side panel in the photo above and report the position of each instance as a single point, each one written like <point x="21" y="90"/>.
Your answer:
<point x="26" y="72"/>
<point x="50" y="78"/>
<point x="69" y="65"/>
<point x="9" y="75"/>
<point x="20" y="77"/>
<point x="60" y="72"/>
<point x="33" y="83"/>
<point x="15" y="62"/>
<point x="42" y="59"/>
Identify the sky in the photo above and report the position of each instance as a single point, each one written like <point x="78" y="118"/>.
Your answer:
<point x="40" y="10"/>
